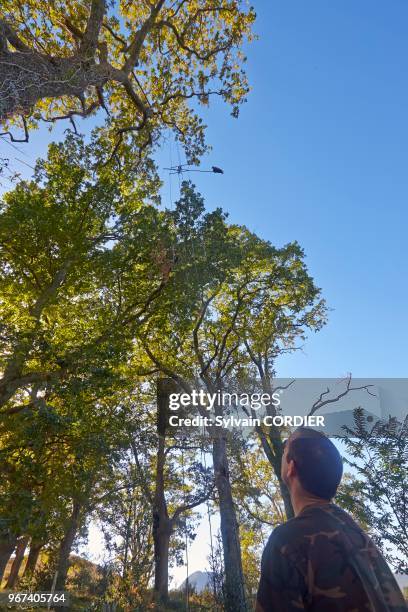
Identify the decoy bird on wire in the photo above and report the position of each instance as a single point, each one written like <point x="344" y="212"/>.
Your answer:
<point x="181" y="168"/>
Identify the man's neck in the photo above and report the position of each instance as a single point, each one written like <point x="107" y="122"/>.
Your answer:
<point x="300" y="502"/>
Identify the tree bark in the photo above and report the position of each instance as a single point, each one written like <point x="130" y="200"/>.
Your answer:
<point x="66" y="546"/>
<point x="277" y="446"/>
<point x="18" y="560"/>
<point x="162" y="524"/>
<point x="287" y="502"/>
<point x="7" y="546"/>
<point x="27" y="77"/>
<point x="274" y="448"/>
<point x="161" y="539"/>
<point x="33" y="555"/>
<point x="235" y="599"/>
<point x="127" y="539"/>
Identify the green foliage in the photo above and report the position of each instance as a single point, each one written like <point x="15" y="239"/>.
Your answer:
<point x="100" y="292"/>
<point x="70" y="246"/>
<point x="253" y="298"/>
<point x="377" y="495"/>
<point x="140" y="62"/>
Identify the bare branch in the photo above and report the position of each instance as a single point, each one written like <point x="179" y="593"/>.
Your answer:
<point x="74" y="113"/>
<point x="193" y="504"/>
<point x="13" y="138"/>
<point x="229" y="329"/>
<point x="181" y="447"/>
<point x="256" y="516"/>
<point x="166" y="370"/>
<point x="180" y="40"/>
<point x="197" y="326"/>
<point x="143" y="481"/>
<point x="223" y="364"/>
<point x="76" y="32"/>
<point x="154" y="294"/>
<point x="256" y="360"/>
<point x="16" y="409"/>
<point x="116" y="36"/>
<point x="137" y="102"/>
<point x="319" y="403"/>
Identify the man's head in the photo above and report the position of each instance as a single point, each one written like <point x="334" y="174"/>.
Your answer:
<point x="311" y="463"/>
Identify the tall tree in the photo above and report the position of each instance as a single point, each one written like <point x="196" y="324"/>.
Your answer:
<point x="77" y="273"/>
<point x="141" y="62"/>
<point x="287" y="305"/>
<point x="8" y="541"/>
<point x="237" y="272"/>
<point x="84" y="264"/>
<point x="32" y="559"/>
<point x="165" y="520"/>
<point x="205" y="237"/>
<point x="126" y="522"/>
<point x="60" y="462"/>
<point x="172" y="479"/>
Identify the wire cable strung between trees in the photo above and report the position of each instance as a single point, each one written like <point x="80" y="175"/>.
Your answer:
<point x="181" y="168"/>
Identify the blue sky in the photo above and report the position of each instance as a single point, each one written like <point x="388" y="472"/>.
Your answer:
<point x="319" y="155"/>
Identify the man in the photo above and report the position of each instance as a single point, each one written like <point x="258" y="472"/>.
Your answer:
<point x="321" y="560"/>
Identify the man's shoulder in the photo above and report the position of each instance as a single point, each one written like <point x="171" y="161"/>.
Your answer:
<point x="326" y="543"/>
<point x="323" y="521"/>
<point x="283" y="532"/>
<point x="291" y="532"/>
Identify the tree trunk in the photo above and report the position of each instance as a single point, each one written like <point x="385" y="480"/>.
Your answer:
<point x="235" y="600"/>
<point x="277" y="446"/>
<point x="7" y="546"/>
<point x="162" y="525"/>
<point x="286" y="499"/>
<point x="18" y="559"/>
<point x="66" y="546"/>
<point x="34" y="553"/>
<point x="161" y="539"/>
<point x="273" y="449"/>
<point x="127" y="538"/>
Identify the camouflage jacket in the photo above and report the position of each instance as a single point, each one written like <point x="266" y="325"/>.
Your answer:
<point x="322" y="561"/>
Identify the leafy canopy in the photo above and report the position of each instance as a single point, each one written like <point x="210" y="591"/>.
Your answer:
<point x="139" y="61"/>
<point x="76" y="273"/>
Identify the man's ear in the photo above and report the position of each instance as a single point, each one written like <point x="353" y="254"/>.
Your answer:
<point x="291" y="471"/>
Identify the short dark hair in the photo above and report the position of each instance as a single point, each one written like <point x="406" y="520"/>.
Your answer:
<point x="319" y="465"/>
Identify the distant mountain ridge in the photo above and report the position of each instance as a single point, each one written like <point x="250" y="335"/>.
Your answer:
<point x="199" y="581"/>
